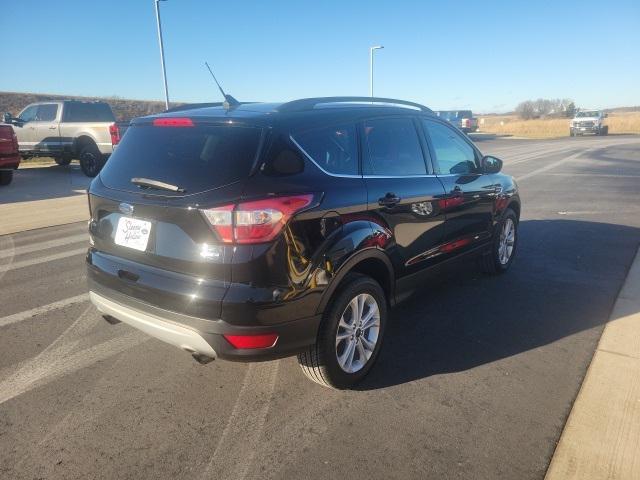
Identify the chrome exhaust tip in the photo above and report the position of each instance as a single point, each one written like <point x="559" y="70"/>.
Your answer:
<point x="202" y="359"/>
<point x="111" y="320"/>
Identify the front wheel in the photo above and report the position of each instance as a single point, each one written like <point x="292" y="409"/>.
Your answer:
<point x="350" y="335"/>
<point x="503" y="248"/>
<point x="91" y="160"/>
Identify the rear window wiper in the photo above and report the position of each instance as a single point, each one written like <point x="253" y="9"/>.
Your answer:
<point x="149" y="183"/>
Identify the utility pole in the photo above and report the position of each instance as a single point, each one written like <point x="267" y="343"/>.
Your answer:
<point x="377" y="47"/>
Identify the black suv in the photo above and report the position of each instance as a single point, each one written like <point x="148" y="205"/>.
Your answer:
<point x="256" y="231"/>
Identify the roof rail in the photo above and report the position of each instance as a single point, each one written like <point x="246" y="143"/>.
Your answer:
<point x="310" y="103"/>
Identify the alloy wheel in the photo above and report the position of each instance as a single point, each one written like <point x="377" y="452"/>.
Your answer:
<point x="507" y="241"/>
<point x="357" y="333"/>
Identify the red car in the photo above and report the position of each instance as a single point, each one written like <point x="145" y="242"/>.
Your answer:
<point x="9" y="155"/>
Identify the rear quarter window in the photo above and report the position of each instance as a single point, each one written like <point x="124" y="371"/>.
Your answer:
<point x="333" y="148"/>
<point x="87" y="112"/>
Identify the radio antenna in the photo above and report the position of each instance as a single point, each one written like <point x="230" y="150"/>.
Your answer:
<point x="229" y="101"/>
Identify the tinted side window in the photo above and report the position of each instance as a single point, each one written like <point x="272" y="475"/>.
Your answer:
<point x="334" y="148"/>
<point x="87" y="112"/>
<point x="453" y="153"/>
<point x="29" y="114"/>
<point x="392" y="148"/>
<point x="47" y="113"/>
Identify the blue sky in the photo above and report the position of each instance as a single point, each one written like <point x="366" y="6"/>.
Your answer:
<point x="485" y="55"/>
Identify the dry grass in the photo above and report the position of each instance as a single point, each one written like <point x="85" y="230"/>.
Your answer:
<point x="619" y="122"/>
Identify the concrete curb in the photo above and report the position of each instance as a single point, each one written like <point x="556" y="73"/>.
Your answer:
<point x="601" y="439"/>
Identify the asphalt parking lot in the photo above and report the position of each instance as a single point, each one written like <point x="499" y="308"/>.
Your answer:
<point x="475" y="381"/>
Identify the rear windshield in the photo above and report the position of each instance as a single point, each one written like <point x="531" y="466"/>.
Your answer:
<point x="455" y="115"/>
<point x="194" y="158"/>
<point x="447" y="115"/>
<point x="87" y="112"/>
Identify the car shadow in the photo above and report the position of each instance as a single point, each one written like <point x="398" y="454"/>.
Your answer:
<point x="44" y="183"/>
<point x="564" y="280"/>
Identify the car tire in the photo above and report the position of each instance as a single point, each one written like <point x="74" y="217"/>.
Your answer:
<point x="6" y="176"/>
<point x="504" y="245"/>
<point x="331" y="362"/>
<point x="91" y="160"/>
<point x="62" y="161"/>
<point x="605" y="130"/>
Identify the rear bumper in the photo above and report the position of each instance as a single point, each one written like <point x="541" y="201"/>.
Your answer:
<point x="203" y="336"/>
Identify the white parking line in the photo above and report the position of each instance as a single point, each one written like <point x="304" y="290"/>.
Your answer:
<point x="36" y="247"/>
<point x="18" y="317"/>
<point x="36" y="261"/>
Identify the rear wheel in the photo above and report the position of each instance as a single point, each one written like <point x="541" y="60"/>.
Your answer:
<point x="6" y="176"/>
<point x="503" y="249"/>
<point x="91" y="160"/>
<point x="350" y="335"/>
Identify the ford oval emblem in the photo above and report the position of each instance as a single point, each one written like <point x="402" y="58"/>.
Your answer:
<point x="126" y="208"/>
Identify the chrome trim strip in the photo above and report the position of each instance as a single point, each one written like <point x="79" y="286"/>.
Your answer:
<point x="426" y="175"/>
<point x="316" y="163"/>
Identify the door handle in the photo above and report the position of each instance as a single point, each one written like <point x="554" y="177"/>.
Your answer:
<point x="389" y="200"/>
<point x="52" y="127"/>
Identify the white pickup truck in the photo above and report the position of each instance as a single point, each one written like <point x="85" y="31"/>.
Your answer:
<point x="67" y="130"/>
<point x="589" y="121"/>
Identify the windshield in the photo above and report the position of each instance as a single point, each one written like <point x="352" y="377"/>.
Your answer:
<point x="591" y="113"/>
<point x="195" y="158"/>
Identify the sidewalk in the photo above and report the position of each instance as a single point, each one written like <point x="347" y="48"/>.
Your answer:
<point x="21" y="216"/>
<point x="601" y="439"/>
<point x="43" y="195"/>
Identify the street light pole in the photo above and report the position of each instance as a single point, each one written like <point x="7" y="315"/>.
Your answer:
<point x="377" y="47"/>
<point x="164" y="70"/>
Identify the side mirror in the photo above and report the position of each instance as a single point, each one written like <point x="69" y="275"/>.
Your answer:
<point x="490" y="164"/>
<point x="6" y="118"/>
<point x="606" y="115"/>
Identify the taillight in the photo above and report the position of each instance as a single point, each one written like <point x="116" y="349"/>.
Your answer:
<point x="258" y="221"/>
<point x="173" y="122"/>
<point x="114" y="131"/>
<point x="252" y="341"/>
<point x="221" y="219"/>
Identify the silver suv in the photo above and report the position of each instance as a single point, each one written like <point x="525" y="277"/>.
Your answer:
<point x="67" y="130"/>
